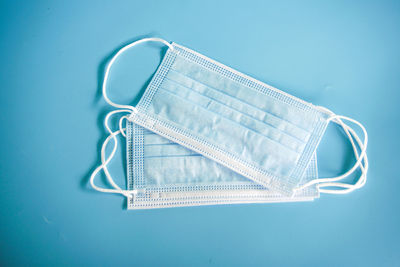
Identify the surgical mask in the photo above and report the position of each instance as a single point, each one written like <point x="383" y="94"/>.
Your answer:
<point x="166" y="174"/>
<point x="249" y="127"/>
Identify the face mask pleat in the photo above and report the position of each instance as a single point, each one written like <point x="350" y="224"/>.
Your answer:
<point x="173" y="170"/>
<point x="240" y="118"/>
<point x="223" y="132"/>
<point x="236" y="104"/>
<point x="194" y="72"/>
<point x="152" y="138"/>
<point x="164" y="150"/>
<point x="162" y="161"/>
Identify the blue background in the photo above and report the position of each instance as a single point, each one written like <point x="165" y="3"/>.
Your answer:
<point x="340" y="54"/>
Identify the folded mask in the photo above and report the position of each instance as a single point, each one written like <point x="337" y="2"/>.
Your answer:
<point x="251" y="128"/>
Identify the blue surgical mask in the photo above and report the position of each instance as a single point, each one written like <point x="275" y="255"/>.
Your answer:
<point x="251" y="128"/>
<point x="166" y="174"/>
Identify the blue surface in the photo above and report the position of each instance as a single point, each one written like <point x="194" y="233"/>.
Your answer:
<point x="340" y="54"/>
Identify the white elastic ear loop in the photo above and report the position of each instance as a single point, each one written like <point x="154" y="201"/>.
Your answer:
<point x="328" y="182"/>
<point x="120" y="125"/>
<point x="105" y="161"/>
<point x="364" y="168"/>
<point x="122" y="50"/>
<point x="121" y="131"/>
<point x="97" y="170"/>
<point x="108" y="176"/>
<point x="360" y="158"/>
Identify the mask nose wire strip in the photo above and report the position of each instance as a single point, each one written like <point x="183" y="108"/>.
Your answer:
<point x="328" y="182"/>
<point x="106" y="160"/>
<point x="120" y="52"/>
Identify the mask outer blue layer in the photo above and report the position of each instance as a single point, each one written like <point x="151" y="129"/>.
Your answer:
<point x="251" y="128"/>
<point x="167" y="174"/>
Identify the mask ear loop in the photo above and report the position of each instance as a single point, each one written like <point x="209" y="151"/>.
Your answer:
<point x="125" y="108"/>
<point x="121" y="128"/>
<point x="363" y="166"/>
<point x="362" y="158"/>
<point x="120" y="52"/>
<point x="106" y="160"/>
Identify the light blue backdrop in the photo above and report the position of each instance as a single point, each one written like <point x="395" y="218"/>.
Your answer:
<point x="340" y="54"/>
